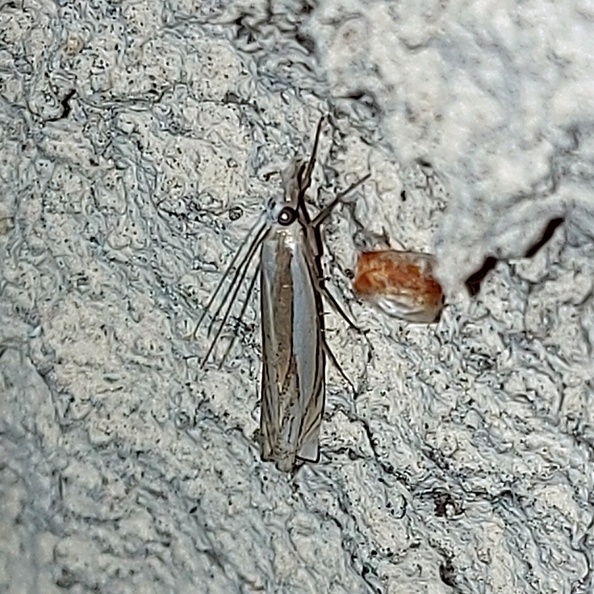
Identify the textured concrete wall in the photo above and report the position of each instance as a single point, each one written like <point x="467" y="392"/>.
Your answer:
<point x="138" y="143"/>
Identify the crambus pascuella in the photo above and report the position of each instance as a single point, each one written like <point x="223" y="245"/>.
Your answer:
<point x="400" y="283"/>
<point x="292" y="317"/>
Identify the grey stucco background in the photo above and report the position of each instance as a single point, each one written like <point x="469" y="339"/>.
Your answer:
<point x="139" y="141"/>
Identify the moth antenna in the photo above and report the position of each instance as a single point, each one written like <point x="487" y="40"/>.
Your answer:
<point x="305" y="182"/>
<point x="241" y="313"/>
<point x="227" y="272"/>
<point x="230" y="296"/>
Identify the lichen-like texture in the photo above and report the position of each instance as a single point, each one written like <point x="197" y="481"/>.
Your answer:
<point x="139" y="141"/>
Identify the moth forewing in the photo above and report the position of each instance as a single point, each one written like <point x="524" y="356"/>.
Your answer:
<point x="308" y="337"/>
<point x="293" y="358"/>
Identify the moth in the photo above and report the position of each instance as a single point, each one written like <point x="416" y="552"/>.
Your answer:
<point x="294" y="348"/>
<point x="400" y="284"/>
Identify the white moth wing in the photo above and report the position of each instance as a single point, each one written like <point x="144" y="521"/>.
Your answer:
<point x="293" y="361"/>
<point x="270" y="416"/>
<point x="307" y="348"/>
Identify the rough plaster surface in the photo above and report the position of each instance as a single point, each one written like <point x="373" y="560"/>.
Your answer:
<point x="138" y="141"/>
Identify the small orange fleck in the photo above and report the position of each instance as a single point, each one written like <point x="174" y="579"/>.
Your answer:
<point x="400" y="283"/>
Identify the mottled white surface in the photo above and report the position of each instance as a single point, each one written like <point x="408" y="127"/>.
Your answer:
<point x="133" y="136"/>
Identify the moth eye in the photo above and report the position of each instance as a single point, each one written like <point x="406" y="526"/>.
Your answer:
<point x="286" y="216"/>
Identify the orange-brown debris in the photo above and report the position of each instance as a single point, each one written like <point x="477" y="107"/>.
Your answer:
<point x="391" y="273"/>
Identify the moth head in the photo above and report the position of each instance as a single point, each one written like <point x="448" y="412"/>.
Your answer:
<point x="287" y="216"/>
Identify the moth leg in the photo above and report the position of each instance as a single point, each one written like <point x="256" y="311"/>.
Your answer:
<point x="337" y="307"/>
<point x="323" y="290"/>
<point x="337" y="365"/>
<point x="244" y="260"/>
<point x="325" y="212"/>
<point x="315" y="225"/>
<point x="241" y="314"/>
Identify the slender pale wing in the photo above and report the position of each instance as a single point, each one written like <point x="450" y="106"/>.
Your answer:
<point x="293" y="361"/>
<point x="309" y="355"/>
<point x="270" y="402"/>
<point x="276" y="320"/>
